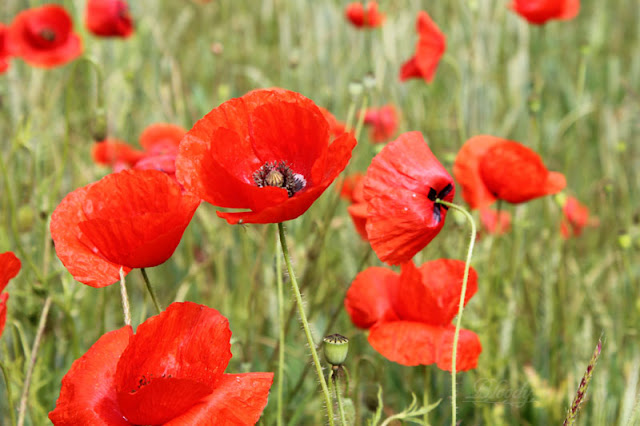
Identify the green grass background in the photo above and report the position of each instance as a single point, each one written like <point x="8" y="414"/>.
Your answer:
<point x="570" y="90"/>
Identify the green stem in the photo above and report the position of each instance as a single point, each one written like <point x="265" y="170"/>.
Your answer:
<point x="152" y="292"/>
<point x="281" y="335"/>
<point x="305" y="324"/>
<point x="425" y="395"/>
<point x="125" y="299"/>
<point x="5" y="374"/>
<point x="463" y="292"/>
<point x="336" y="387"/>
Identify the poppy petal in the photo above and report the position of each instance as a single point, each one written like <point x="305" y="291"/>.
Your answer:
<point x="112" y="151"/>
<point x="9" y="268"/>
<point x="108" y="18"/>
<point x="466" y="170"/>
<point x="87" y="395"/>
<point x="370" y="298"/>
<point x="161" y="134"/>
<point x="469" y="349"/>
<point x="3" y="310"/>
<point x="186" y="342"/>
<point x="358" y="213"/>
<point x="238" y="399"/>
<point x="406" y="342"/>
<point x="570" y="10"/>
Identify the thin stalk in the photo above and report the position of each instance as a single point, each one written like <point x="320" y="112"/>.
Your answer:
<point x="32" y="362"/>
<point x="5" y="374"/>
<point x="152" y="292"/>
<point x="281" y="336"/>
<point x="463" y="292"/>
<point x="425" y="394"/>
<point x="305" y="324"/>
<point x="125" y="299"/>
<point x="337" y="390"/>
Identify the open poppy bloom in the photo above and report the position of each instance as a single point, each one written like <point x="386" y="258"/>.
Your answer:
<point x="44" y="37"/>
<point x="383" y="121"/>
<point x="9" y="268"/>
<point x="401" y="187"/>
<point x="429" y="49"/>
<point x="170" y="372"/>
<point x="576" y="217"/>
<point x="130" y="219"/>
<point x="409" y="314"/>
<point x="364" y="18"/>
<point x="4" y="49"/>
<point x="267" y="152"/>
<point x="490" y="168"/>
<point x="109" y="18"/>
<point x="540" y="11"/>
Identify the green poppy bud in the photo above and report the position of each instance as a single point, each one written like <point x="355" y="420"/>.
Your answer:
<point x="99" y="125"/>
<point x="336" y="348"/>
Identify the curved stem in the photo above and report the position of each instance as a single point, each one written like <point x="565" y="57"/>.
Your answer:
<point x="125" y="299"/>
<point x="463" y="292"/>
<point x="152" y="292"/>
<point x="32" y="362"/>
<point x="5" y="374"/>
<point x="305" y="324"/>
<point x="281" y="334"/>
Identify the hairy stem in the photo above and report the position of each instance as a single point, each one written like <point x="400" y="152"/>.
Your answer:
<point x="152" y="292"/>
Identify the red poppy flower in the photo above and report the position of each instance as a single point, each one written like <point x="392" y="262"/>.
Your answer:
<point x="44" y="37"/>
<point x="364" y="18"/>
<point x="576" y="217"/>
<point x="540" y="11"/>
<point x="401" y="187"/>
<point x="384" y="122"/>
<point x="131" y="219"/>
<point x="429" y="49"/>
<point x="495" y="222"/>
<point x="109" y="18"/>
<point x="489" y="168"/>
<point x="9" y="268"/>
<point x="353" y="191"/>
<point x="113" y="152"/>
<point x="160" y="141"/>
<point x="336" y="127"/>
<point x="409" y="314"/>
<point x="267" y="151"/>
<point x="170" y="372"/>
<point x="4" y="49"/>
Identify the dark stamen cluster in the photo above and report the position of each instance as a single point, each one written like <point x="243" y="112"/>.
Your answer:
<point x="144" y="381"/>
<point x="48" y="34"/>
<point x="278" y="174"/>
<point x="433" y="195"/>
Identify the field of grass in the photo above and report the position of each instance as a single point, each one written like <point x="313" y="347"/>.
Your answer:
<point x="570" y="90"/>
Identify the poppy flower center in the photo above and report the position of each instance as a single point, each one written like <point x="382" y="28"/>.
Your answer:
<point x="280" y="175"/>
<point x="48" y="34"/>
<point x="433" y="195"/>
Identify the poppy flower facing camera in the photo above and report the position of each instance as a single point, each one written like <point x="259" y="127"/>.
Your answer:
<point x="130" y="219"/>
<point x="44" y="37"/>
<point x="109" y="18"/>
<point x="268" y="153"/>
<point x="401" y="187"/>
<point x="429" y="49"/>
<point x="170" y="372"/>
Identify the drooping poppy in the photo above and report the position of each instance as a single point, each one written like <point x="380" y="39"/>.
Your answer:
<point x="109" y="18"/>
<point x="4" y="49"/>
<point x="383" y="121"/>
<point x="494" y="222"/>
<point x="130" y="219"/>
<point x="268" y="152"/>
<point x="409" y="314"/>
<point x="44" y="37"/>
<point x="429" y="49"/>
<point x="336" y="127"/>
<point x="490" y="168"/>
<point x="576" y="217"/>
<point x="362" y="17"/>
<point x="170" y="372"/>
<point x="9" y="268"/>
<point x="401" y="187"/>
<point x="540" y="11"/>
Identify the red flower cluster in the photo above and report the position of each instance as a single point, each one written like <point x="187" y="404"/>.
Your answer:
<point x="409" y="314"/>
<point x="109" y="18"/>
<point x="540" y="11"/>
<point x="130" y="219"/>
<point x="576" y="217"/>
<point x="267" y="152"/>
<point x="44" y="37"/>
<point x="490" y="168"/>
<point x="9" y="268"/>
<point x="364" y="18"/>
<point x="170" y="372"/>
<point x="383" y="121"/>
<point x="429" y="49"/>
<point x="401" y="187"/>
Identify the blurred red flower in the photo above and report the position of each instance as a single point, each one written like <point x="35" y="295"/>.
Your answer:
<point x="353" y="191"/>
<point x="364" y="18"/>
<point x="109" y="18"/>
<point x="336" y="127"/>
<point x="540" y="11"/>
<point x="576" y="217"/>
<point x="9" y="268"/>
<point x="488" y="168"/>
<point x="409" y="314"/>
<point x="429" y="49"/>
<point x="170" y="372"/>
<point x="130" y="219"/>
<point x="383" y="121"/>
<point x="4" y="49"/>
<point x="267" y="151"/>
<point x="495" y="222"/>
<point x="115" y="153"/>
<point x="44" y="37"/>
<point x="401" y="187"/>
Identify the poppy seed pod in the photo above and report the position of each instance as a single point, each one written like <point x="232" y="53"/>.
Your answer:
<point x="336" y="348"/>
